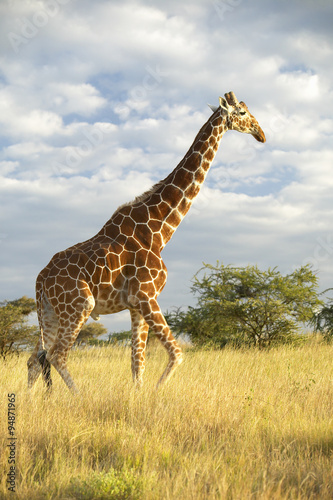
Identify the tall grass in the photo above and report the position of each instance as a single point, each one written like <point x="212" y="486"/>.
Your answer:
<point x="229" y="424"/>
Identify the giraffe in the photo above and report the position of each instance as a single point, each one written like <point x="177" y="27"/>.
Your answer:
<point x="121" y="266"/>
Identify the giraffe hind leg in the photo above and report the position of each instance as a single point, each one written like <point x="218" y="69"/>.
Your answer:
<point x="57" y="357"/>
<point x="37" y="364"/>
<point x="46" y="368"/>
<point x="62" y="321"/>
<point x="68" y="331"/>
<point x="34" y="368"/>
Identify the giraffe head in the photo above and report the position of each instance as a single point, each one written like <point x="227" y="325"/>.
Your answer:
<point x="239" y="118"/>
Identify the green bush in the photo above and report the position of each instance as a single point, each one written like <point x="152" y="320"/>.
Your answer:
<point x="115" y="485"/>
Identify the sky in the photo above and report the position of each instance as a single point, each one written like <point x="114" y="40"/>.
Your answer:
<point x="100" y="100"/>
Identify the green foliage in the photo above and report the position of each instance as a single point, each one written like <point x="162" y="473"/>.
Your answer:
<point x="116" y="485"/>
<point x="15" y="334"/>
<point x="90" y="331"/>
<point x="244" y="305"/>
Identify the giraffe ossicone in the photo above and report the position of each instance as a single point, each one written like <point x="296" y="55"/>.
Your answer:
<point x="121" y="266"/>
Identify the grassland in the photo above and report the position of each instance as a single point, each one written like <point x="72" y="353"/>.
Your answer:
<point x="229" y="424"/>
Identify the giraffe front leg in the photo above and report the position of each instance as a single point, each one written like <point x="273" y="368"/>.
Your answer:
<point x="139" y="342"/>
<point x="152" y="314"/>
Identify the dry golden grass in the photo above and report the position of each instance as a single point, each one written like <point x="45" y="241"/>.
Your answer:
<point x="229" y="424"/>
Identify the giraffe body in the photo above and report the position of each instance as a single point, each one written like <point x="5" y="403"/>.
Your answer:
<point x="121" y="266"/>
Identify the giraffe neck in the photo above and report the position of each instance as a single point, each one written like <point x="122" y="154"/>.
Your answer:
<point x="155" y="215"/>
<point x="172" y="198"/>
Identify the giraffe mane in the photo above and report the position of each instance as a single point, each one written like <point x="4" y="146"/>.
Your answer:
<point x="143" y="196"/>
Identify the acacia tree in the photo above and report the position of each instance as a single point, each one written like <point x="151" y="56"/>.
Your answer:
<point x="14" y="331"/>
<point x="247" y="305"/>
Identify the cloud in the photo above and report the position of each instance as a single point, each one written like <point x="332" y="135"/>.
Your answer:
<point x="99" y="100"/>
<point x="68" y="98"/>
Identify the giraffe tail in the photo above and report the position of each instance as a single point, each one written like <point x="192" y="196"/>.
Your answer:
<point x="39" y="302"/>
<point x="46" y="368"/>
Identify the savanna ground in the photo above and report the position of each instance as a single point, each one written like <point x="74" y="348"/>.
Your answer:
<point x="230" y="424"/>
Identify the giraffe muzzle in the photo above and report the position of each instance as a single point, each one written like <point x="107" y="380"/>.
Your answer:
<point x="259" y="135"/>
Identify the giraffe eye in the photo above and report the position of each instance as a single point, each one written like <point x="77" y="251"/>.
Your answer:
<point x="242" y="112"/>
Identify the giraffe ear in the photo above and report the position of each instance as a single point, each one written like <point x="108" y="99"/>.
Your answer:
<point x="213" y="108"/>
<point x="223" y="103"/>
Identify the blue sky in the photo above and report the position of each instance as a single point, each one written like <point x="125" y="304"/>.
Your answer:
<point x="100" y="100"/>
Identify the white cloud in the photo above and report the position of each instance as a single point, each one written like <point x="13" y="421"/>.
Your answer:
<point x="300" y="86"/>
<point x="8" y="167"/>
<point x="17" y="120"/>
<point x="68" y="98"/>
